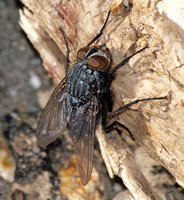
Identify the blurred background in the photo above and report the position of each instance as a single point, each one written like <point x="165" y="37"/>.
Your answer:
<point x="21" y="76"/>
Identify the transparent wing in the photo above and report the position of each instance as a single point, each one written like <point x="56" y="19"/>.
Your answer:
<point x="53" y="118"/>
<point x="82" y="126"/>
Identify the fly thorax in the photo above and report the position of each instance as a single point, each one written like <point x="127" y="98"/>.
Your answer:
<point x="85" y="82"/>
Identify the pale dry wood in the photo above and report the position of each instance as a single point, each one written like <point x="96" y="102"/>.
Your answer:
<point x="158" y="126"/>
<point x="119" y="161"/>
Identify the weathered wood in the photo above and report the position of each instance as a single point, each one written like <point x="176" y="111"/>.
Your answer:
<point x="119" y="161"/>
<point x="158" y="126"/>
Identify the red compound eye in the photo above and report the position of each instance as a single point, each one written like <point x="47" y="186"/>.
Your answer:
<point x="98" y="62"/>
<point x="82" y="52"/>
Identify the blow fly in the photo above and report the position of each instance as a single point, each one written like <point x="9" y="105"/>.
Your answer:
<point x="78" y="102"/>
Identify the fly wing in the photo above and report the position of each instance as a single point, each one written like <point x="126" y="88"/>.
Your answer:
<point x="82" y="126"/>
<point x="53" y="118"/>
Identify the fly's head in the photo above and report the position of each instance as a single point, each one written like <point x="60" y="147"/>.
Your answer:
<point x="97" y="57"/>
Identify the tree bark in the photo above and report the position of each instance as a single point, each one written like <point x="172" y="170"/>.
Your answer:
<point x="157" y="125"/>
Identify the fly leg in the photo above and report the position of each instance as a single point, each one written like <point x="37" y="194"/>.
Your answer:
<point x="114" y="126"/>
<point x="121" y="108"/>
<point x="123" y="62"/>
<point x="67" y="50"/>
<point x="101" y="31"/>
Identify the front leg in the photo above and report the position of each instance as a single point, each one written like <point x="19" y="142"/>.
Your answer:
<point x="67" y="51"/>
